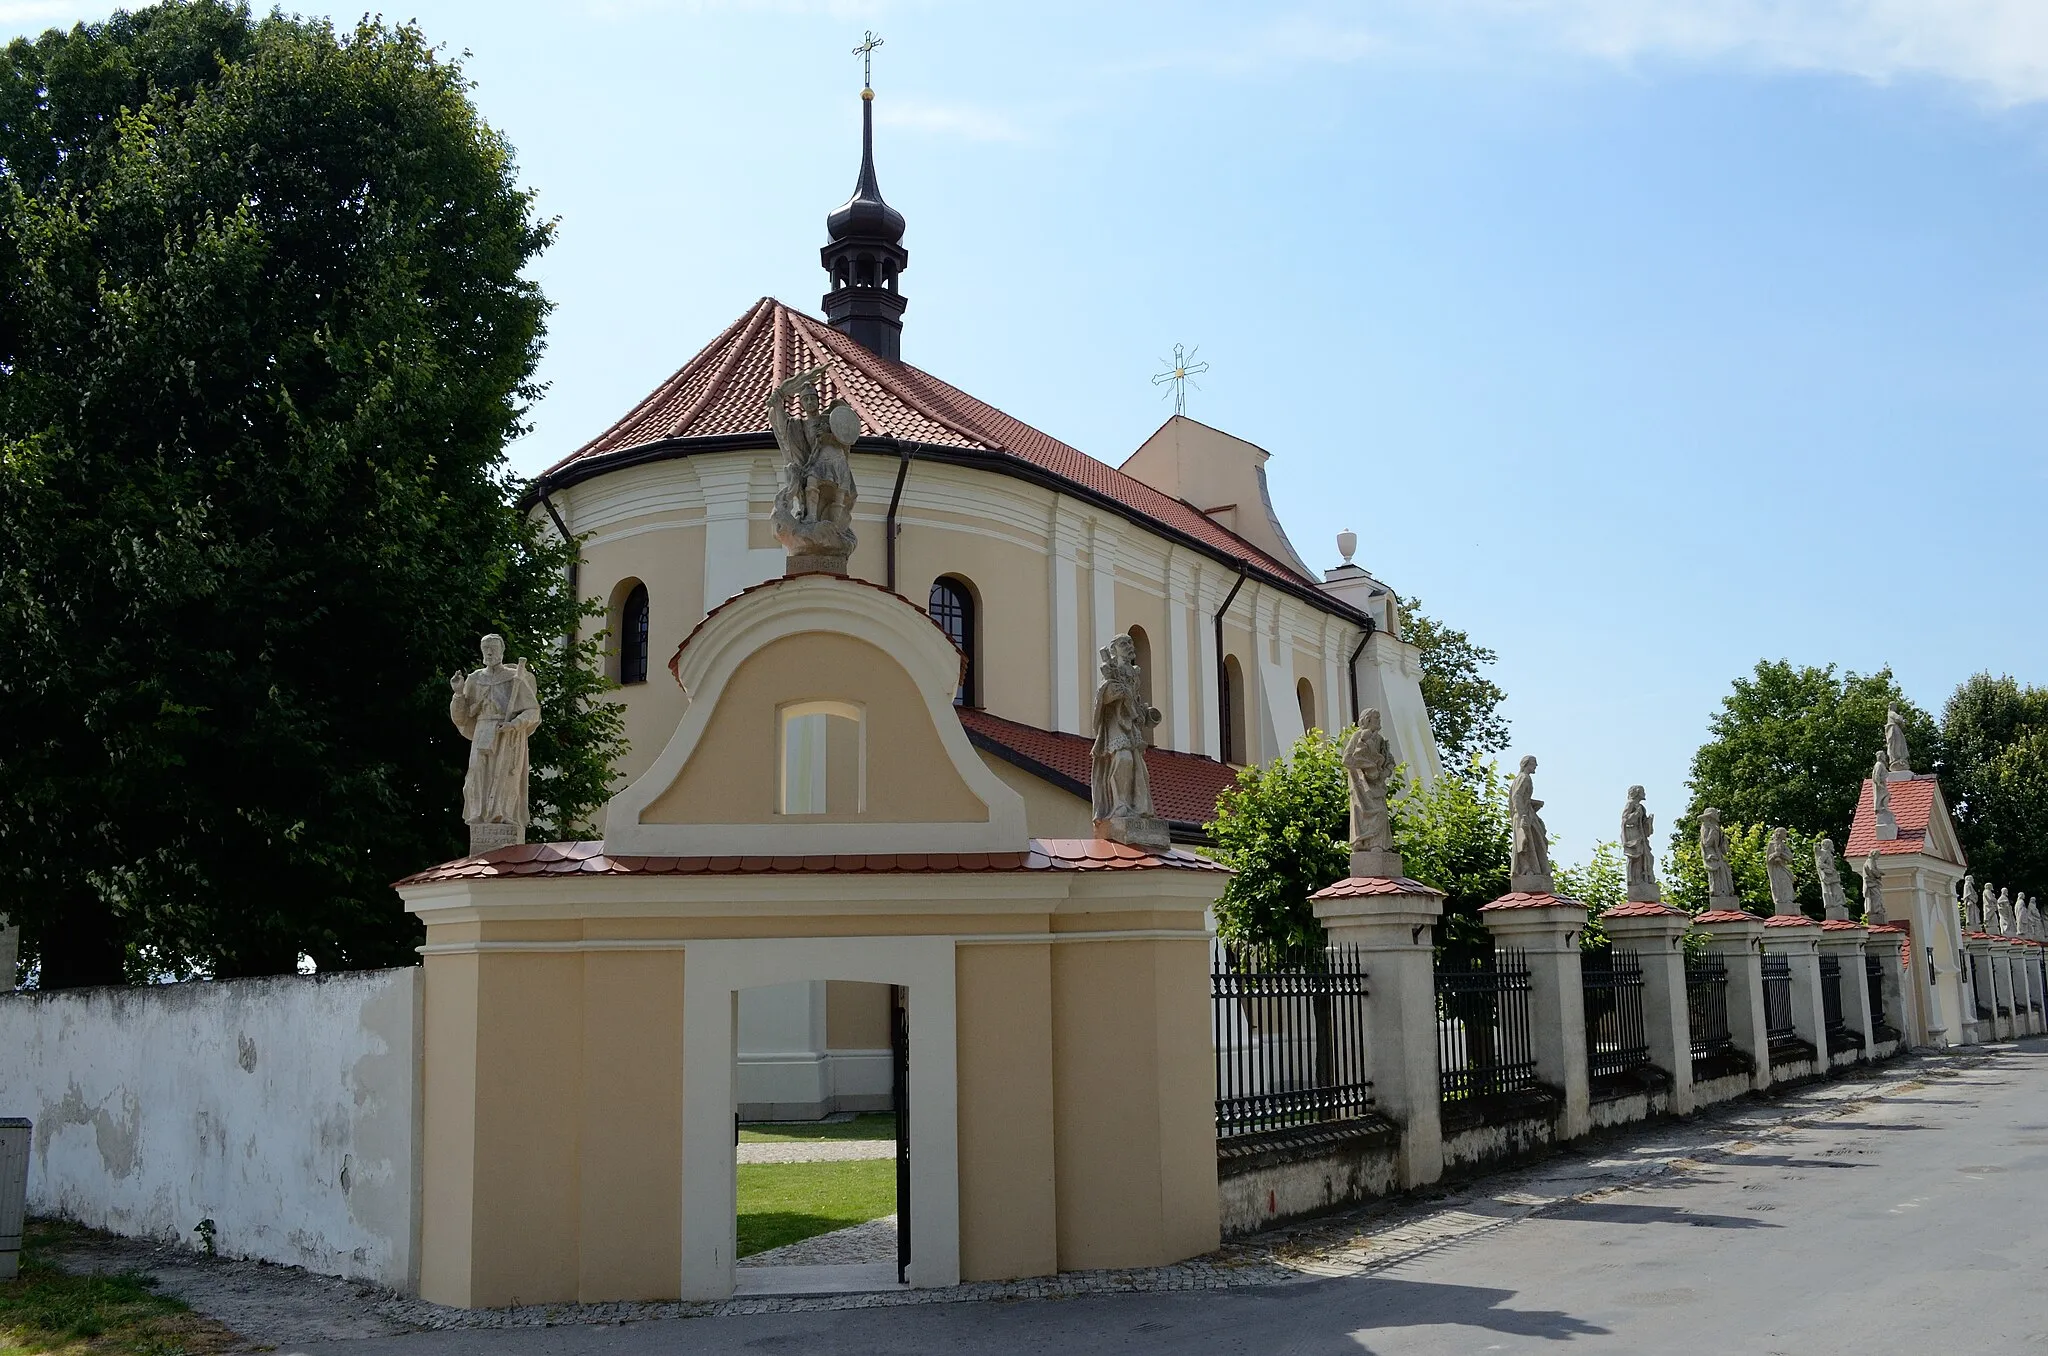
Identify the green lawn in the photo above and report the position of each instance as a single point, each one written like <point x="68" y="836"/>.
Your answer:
<point x="876" y="1125"/>
<point x="47" y="1310"/>
<point x="783" y="1202"/>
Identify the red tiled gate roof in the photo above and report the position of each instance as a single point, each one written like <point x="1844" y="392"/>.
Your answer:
<point x="1184" y="785"/>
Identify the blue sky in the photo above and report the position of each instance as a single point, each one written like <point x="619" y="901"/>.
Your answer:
<point x="1641" y="338"/>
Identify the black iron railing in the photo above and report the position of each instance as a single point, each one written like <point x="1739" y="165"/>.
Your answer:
<point x="1873" y="973"/>
<point x="1778" y="1025"/>
<point x="1979" y="991"/>
<point x="1616" y="1038"/>
<point x="1834" y="1012"/>
<point x="1483" y="1043"/>
<point x="1289" y="1029"/>
<point x="1706" y="1007"/>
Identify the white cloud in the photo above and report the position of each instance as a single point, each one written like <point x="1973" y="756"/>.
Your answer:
<point x="1997" y="47"/>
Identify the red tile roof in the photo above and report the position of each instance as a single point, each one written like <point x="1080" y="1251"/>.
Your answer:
<point x="721" y="391"/>
<point x="1788" y="920"/>
<point x="1912" y="807"/>
<point x="1892" y="927"/>
<point x="1642" y="908"/>
<point x="1840" y="925"/>
<point x="1361" y="887"/>
<point x="1522" y="899"/>
<point x="1724" y="916"/>
<point x="588" y="858"/>
<point x="1184" y="785"/>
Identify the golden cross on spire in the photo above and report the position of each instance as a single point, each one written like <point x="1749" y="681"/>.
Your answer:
<point x="1177" y="373"/>
<point x="866" y="53"/>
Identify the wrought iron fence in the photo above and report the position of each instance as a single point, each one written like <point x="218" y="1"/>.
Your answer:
<point x="1778" y="1025"/>
<point x="1833" y="1012"/>
<point x="1706" y="1007"/>
<point x="1977" y="990"/>
<point x="1483" y="1043"/>
<point x="1290" y="1038"/>
<point x="1873" y="973"/>
<point x="1616" y="1037"/>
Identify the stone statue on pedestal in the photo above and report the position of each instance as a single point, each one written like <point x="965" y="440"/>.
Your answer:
<point x="1834" y="904"/>
<point x="1778" y="867"/>
<point x="1873" y="891"/>
<point x="1987" y="907"/>
<point x="814" y="506"/>
<point x="1637" y="824"/>
<point x="1714" y="856"/>
<point x="2005" y="912"/>
<point x="497" y="710"/>
<point x="1897" y="759"/>
<point x="1368" y="764"/>
<point x="1120" y="785"/>
<point x="1530" y="871"/>
<point x="1973" y="913"/>
<point x="1881" y="797"/>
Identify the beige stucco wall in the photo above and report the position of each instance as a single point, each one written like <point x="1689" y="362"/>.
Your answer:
<point x="733" y="775"/>
<point x="1051" y="812"/>
<point x="1008" y="1205"/>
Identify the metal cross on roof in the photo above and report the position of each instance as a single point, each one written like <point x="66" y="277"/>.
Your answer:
<point x="1178" y="373"/>
<point x="866" y="53"/>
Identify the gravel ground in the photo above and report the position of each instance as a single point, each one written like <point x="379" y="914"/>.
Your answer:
<point x="874" y="1241"/>
<point x="280" y="1307"/>
<point x="818" y="1151"/>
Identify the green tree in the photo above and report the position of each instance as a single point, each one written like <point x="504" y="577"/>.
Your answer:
<point x="1600" y="884"/>
<point x="265" y="335"/>
<point x="1685" y="873"/>
<point x="1456" y="837"/>
<point x="1284" y="828"/>
<point x="1464" y="704"/>
<point x="1995" y="777"/>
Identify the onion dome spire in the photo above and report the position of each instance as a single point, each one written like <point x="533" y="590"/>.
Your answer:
<point x="864" y="250"/>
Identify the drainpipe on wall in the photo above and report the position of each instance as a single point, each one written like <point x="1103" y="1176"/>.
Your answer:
<point x="540" y="488"/>
<point x="1223" y="670"/>
<point x="1351" y="670"/>
<point x="895" y="498"/>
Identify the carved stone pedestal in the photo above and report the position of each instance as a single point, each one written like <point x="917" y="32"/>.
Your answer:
<point x="1143" y="831"/>
<point x="484" y="837"/>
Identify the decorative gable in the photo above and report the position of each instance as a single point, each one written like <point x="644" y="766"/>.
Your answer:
<point x="1923" y="819"/>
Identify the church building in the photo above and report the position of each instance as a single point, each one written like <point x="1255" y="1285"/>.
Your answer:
<point x="1029" y="553"/>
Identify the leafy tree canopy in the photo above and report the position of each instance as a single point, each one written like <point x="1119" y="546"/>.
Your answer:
<point x="264" y="334"/>
<point x="1464" y="704"/>
<point x="1995" y="777"/>
<point x="1285" y="829"/>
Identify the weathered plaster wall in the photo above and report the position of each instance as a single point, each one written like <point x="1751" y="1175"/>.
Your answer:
<point x="1258" y="1191"/>
<point x="284" y="1110"/>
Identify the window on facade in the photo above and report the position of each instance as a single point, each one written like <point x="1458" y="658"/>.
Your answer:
<point x="1235" y="749"/>
<point x="629" y="630"/>
<point x="1143" y="645"/>
<point x="824" y="759"/>
<point x="1305" y="698"/>
<point x="952" y="607"/>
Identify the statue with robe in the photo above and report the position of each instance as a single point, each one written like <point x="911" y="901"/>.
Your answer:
<point x="1873" y="891"/>
<point x="1714" y="857"/>
<point x="1120" y="786"/>
<point x="1881" y="797"/>
<point x="1973" y="914"/>
<point x="2005" y="912"/>
<point x="1834" y="903"/>
<point x="497" y="709"/>
<point x="814" y="505"/>
<point x="1778" y="868"/>
<point x="1897" y="759"/>
<point x="1368" y="763"/>
<point x="1987" y="907"/>
<point x="1530" y="869"/>
<point x="1637" y="824"/>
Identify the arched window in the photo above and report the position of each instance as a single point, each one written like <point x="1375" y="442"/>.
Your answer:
<point x="824" y="759"/>
<point x="952" y="607"/>
<point x="629" y="631"/>
<point x="1305" y="698"/>
<point x="1235" y="749"/>
<point x="1143" y="645"/>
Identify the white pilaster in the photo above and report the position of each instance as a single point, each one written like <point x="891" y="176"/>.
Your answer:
<point x="1066" y="625"/>
<point x="1179" y="662"/>
<point x="1209" y="592"/>
<point x="730" y="564"/>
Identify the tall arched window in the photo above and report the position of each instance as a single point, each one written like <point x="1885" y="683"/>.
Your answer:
<point x="1235" y="749"/>
<point x="629" y="630"/>
<point x="952" y="607"/>
<point x="1143" y="645"/>
<point x="1305" y="698"/>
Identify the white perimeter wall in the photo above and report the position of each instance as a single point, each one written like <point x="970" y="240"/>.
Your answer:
<point x="285" y="1110"/>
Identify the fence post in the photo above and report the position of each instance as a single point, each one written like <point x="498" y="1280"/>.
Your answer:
<point x="1978" y="989"/>
<point x="1890" y="939"/>
<point x="1796" y="937"/>
<point x="1656" y="933"/>
<point x="1547" y="928"/>
<point x="1733" y="935"/>
<point x="1844" y="940"/>
<point x="2001" y="969"/>
<point x="1388" y="919"/>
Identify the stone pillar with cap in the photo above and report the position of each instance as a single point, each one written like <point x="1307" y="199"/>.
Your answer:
<point x="1843" y="941"/>
<point x="1656" y="933"/>
<point x="1734" y="935"/>
<point x="1546" y="928"/>
<point x="1389" y="919"/>
<point x="1797" y="938"/>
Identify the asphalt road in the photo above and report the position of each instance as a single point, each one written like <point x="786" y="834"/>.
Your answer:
<point x="1913" y="1224"/>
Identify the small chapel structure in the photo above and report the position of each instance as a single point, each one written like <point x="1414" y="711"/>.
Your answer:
<point x="1028" y="553"/>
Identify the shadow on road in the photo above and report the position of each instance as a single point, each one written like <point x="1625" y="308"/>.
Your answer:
<point x="1608" y="1212"/>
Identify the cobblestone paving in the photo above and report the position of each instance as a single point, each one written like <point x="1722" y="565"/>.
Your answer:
<point x="874" y="1241"/>
<point x="258" y="1299"/>
<point x="817" y="1151"/>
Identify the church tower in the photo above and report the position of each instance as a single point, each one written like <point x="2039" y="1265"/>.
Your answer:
<point x="865" y="254"/>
